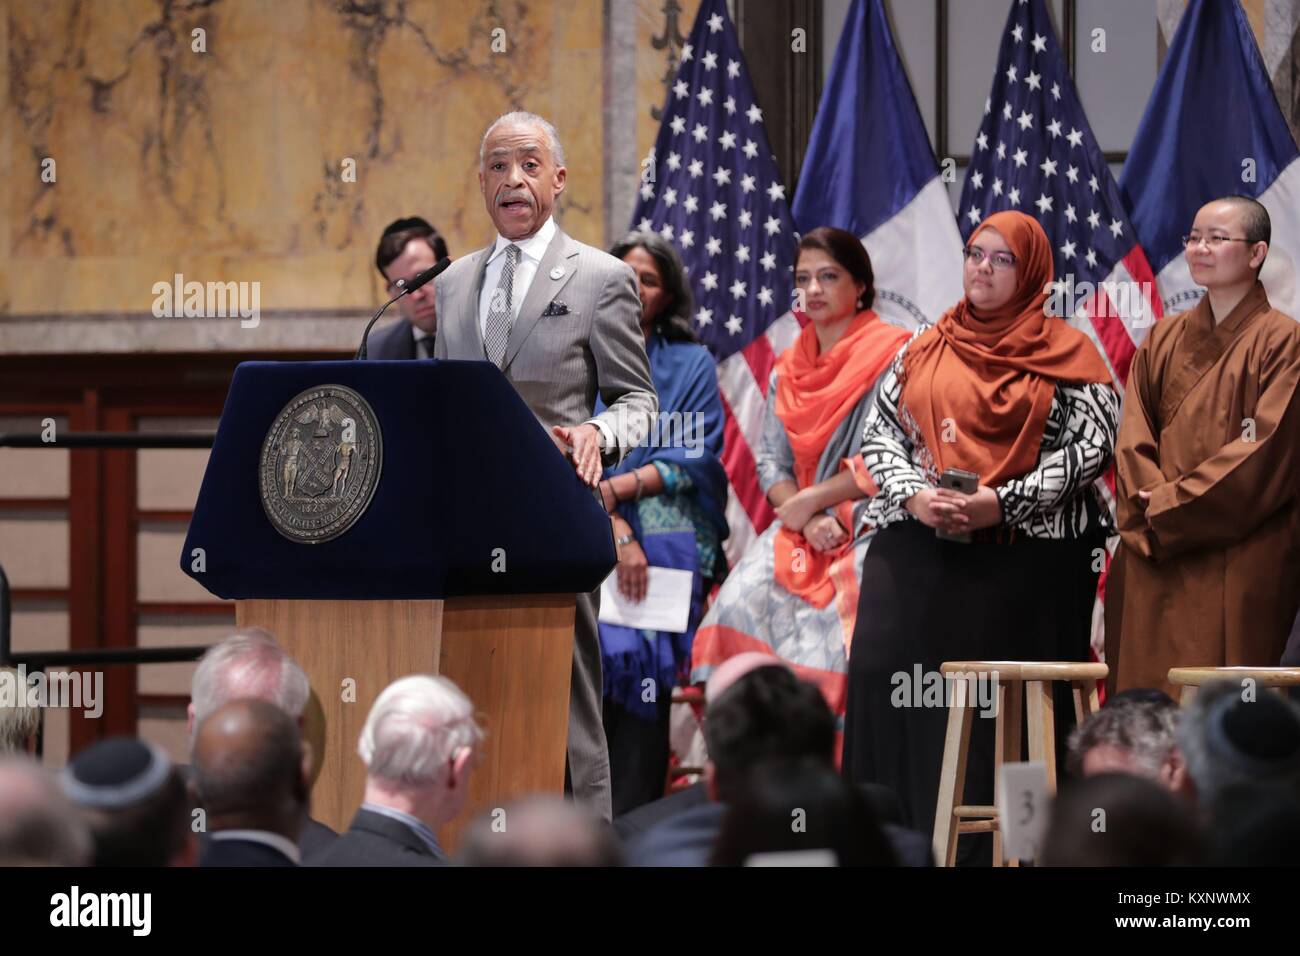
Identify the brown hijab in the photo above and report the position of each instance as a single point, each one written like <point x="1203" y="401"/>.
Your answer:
<point x="985" y="382"/>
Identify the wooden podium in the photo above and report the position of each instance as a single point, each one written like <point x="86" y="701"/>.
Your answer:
<point x="408" y="588"/>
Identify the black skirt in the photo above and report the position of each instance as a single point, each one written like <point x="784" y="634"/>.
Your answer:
<point x="925" y="601"/>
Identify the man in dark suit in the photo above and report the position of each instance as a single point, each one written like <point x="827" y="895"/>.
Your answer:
<point x="251" y="663"/>
<point x="419" y="746"/>
<point x="758" y="711"/>
<point x="408" y="247"/>
<point x="253" y="774"/>
<point x="562" y="320"/>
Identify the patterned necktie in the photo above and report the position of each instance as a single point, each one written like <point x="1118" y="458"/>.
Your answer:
<point x="497" y="330"/>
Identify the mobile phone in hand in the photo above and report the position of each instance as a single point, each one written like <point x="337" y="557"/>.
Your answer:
<point x="967" y="482"/>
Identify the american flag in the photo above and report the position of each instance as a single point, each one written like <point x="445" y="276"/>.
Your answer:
<point x="1035" y="152"/>
<point x="712" y="187"/>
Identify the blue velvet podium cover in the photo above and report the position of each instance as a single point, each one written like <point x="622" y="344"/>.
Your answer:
<point x="466" y="469"/>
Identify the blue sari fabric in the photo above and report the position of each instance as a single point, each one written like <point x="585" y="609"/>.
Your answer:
<point x="681" y="528"/>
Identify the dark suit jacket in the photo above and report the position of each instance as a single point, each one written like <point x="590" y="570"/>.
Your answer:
<point x="376" y="840"/>
<point x="241" y="853"/>
<point x="687" y="838"/>
<point x="314" y="837"/>
<point x="396" y="341"/>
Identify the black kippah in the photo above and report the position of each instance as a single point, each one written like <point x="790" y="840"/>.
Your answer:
<point x="1265" y="729"/>
<point x="114" y="773"/>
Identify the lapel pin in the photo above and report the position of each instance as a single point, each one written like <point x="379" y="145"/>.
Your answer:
<point x="557" y="272"/>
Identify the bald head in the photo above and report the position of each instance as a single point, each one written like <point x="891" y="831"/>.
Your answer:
<point x="1228" y="242"/>
<point x="1251" y="216"/>
<point x="249" y="766"/>
<point x="734" y="668"/>
<point x="540" y="831"/>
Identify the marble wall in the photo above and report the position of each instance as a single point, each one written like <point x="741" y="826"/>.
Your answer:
<point x="229" y="163"/>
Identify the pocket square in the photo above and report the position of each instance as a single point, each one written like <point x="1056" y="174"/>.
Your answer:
<point x="556" y="308"/>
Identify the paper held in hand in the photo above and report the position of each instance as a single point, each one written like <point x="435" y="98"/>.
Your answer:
<point x="666" y="606"/>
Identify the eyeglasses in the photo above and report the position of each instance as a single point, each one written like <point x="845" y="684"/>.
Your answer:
<point x="1001" y="260"/>
<point x="1214" y="242"/>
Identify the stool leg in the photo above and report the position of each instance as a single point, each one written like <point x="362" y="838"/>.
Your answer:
<point x="1009" y="716"/>
<point x="1086" y="700"/>
<point x="999" y="758"/>
<point x="1042" y="727"/>
<point x="952" y="779"/>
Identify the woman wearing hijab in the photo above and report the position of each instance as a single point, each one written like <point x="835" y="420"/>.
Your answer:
<point x="666" y="499"/>
<point x="1025" y="402"/>
<point x="794" y="593"/>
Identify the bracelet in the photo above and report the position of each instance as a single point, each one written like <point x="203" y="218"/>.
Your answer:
<point x="636" y="473"/>
<point x="624" y="541"/>
<point x="613" y="492"/>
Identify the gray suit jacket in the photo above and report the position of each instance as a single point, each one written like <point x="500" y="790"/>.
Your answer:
<point x="559" y="363"/>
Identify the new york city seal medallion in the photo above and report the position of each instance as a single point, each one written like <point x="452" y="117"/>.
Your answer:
<point x="320" y="464"/>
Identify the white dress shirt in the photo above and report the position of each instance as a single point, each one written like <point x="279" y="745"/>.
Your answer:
<point x="531" y="251"/>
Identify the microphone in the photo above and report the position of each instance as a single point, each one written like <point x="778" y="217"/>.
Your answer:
<point x="404" y="288"/>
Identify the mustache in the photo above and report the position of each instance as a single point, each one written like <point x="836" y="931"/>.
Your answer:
<point x="513" y="196"/>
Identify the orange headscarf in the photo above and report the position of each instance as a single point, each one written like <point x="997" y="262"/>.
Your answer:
<point x="814" y="394"/>
<point x="980" y="386"/>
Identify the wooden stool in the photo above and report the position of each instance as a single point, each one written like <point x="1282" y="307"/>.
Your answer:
<point x="951" y="818"/>
<point x="1191" y="678"/>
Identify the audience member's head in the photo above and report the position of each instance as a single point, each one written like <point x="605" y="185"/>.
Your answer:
<point x="1232" y="734"/>
<point x="135" y="803"/>
<point x="1255" y="825"/>
<point x="767" y="714"/>
<point x="249" y="663"/>
<point x="408" y="247"/>
<point x="1140" y="695"/>
<point x="419" y="746"/>
<point x="801" y="807"/>
<point x="18" y="722"/>
<point x="251" y="770"/>
<point x="540" y="831"/>
<point x="736" y="667"/>
<point x="1117" y="819"/>
<point x="38" y="827"/>
<point x="1130" y="735"/>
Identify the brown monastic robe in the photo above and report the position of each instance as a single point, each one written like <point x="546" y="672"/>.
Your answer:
<point x="1208" y="572"/>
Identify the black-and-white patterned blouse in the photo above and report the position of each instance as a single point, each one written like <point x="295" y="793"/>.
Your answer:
<point x="1058" y="499"/>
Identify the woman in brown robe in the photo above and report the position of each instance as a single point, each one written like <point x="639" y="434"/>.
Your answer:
<point x="1207" y="471"/>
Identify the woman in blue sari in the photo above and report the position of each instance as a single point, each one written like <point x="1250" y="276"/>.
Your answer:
<point x="667" y="500"/>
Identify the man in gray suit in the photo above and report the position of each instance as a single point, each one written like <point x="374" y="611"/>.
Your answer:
<point x="562" y="321"/>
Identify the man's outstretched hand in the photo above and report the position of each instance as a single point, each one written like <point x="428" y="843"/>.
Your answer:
<point x="583" y="442"/>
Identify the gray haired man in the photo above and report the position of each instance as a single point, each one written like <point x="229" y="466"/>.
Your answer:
<point x="252" y="664"/>
<point x="419" y="746"/>
<point x="491" y="305"/>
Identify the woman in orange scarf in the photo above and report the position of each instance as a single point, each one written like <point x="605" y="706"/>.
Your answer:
<point x="794" y="593"/>
<point x="1024" y="401"/>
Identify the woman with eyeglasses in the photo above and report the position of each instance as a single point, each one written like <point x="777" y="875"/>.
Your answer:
<point x="1021" y="403"/>
<point x="794" y="592"/>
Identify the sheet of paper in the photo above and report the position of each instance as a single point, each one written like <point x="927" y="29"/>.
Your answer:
<point x="1022" y="809"/>
<point x="666" y="606"/>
